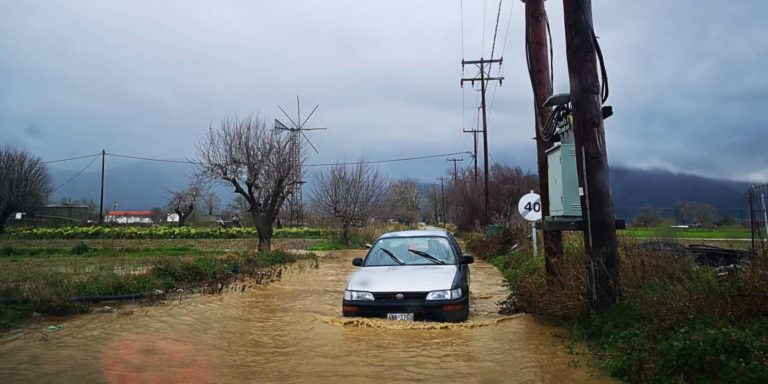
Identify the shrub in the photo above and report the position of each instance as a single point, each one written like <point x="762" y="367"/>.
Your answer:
<point x="676" y="321"/>
<point x="80" y="249"/>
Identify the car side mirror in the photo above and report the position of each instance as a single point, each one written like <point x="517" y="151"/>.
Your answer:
<point x="368" y="246"/>
<point x="357" y="262"/>
<point x="466" y="259"/>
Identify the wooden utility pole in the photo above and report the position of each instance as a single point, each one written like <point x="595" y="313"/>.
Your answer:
<point x="435" y="205"/>
<point x="484" y="79"/>
<point x="442" y="196"/>
<point x="537" y="47"/>
<point x="101" y="199"/>
<point x="474" y="133"/>
<point x="455" y="167"/>
<point x="592" y="159"/>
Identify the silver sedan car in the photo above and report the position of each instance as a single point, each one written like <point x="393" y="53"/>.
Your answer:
<point x="411" y="275"/>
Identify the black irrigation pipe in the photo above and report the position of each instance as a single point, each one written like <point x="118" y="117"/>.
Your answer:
<point x="79" y="299"/>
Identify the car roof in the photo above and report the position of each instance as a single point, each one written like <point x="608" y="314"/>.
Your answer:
<point x="416" y="233"/>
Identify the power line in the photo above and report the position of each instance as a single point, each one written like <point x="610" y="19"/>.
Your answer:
<point x="70" y="159"/>
<point x="76" y="175"/>
<point x="463" y="102"/>
<point x="307" y="165"/>
<point x="389" y="160"/>
<point x="506" y="34"/>
<point x="461" y="8"/>
<point x="482" y="47"/>
<point x="503" y="48"/>
<point x="496" y="30"/>
<point x="153" y="159"/>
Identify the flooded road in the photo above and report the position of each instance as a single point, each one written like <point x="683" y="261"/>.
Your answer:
<point x="290" y="332"/>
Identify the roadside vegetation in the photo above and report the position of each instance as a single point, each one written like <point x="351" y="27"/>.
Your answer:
<point x="45" y="270"/>
<point x="61" y="280"/>
<point x="160" y="232"/>
<point x="676" y="322"/>
<point x="358" y="237"/>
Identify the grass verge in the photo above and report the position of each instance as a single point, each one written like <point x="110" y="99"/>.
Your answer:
<point x="676" y="321"/>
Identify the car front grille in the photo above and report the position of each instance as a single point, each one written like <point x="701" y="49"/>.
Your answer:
<point x="392" y="296"/>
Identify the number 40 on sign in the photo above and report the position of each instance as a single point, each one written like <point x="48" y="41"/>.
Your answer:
<point x="529" y="207"/>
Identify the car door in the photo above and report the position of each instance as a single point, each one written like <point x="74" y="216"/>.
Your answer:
<point x="463" y="268"/>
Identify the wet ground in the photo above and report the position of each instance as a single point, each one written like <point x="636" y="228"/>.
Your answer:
<point x="291" y="332"/>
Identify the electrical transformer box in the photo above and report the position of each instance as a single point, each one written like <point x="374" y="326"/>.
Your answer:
<point x="564" y="198"/>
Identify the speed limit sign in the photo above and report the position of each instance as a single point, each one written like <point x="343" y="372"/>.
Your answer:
<point x="529" y="207"/>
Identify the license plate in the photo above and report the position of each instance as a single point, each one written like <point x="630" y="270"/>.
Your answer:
<point x="400" y="316"/>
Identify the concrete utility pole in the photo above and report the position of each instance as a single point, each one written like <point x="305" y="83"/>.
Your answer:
<point x="455" y="167"/>
<point x="101" y="199"/>
<point x="483" y="79"/>
<point x="592" y="159"/>
<point x="541" y="81"/>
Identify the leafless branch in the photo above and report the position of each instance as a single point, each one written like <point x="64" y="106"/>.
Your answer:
<point x="24" y="182"/>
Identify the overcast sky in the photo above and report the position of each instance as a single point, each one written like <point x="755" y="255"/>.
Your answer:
<point x="146" y="78"/>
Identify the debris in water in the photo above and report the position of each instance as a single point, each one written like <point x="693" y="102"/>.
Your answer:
<point x="123" y="312"/>
<point x="54" y="328"/>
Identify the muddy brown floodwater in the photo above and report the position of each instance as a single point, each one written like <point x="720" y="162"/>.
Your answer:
<point x="291" y="332"/>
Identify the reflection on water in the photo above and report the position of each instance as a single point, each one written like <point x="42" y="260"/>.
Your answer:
<point x="290" y="331"/>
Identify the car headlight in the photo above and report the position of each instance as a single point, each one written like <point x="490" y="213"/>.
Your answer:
<point x="445" y="295"/>
<point x="357" y="295"/>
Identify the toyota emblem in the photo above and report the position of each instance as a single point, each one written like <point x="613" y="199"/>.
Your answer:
<point x="399" y="296"/>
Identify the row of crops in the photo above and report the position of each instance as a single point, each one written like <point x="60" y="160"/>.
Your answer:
<point x="161" y="232"/>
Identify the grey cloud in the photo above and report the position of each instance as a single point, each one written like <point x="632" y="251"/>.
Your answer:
<point x="149" y="77"/>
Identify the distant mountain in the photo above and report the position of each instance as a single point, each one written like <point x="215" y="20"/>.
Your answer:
<point x="134" y="186"/>
<point x="634" y="188"/>
<point x="143" y="185"/>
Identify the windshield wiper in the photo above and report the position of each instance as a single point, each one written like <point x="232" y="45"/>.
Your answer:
<point x="392" y="255"/>
<point x="427" y="256"/>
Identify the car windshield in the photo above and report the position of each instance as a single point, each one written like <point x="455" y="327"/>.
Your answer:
<point x="427" y="250"/>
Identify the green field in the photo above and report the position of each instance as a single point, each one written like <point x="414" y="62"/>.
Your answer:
<point x="734" y="232"/>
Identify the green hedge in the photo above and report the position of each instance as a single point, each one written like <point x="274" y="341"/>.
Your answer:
<point x="161" y="232"/>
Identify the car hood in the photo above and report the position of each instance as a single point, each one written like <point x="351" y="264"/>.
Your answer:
<point x="411" y="278"/>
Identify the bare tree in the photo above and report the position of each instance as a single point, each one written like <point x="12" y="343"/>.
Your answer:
<point x="466" y="198"/>
<point x="506" y="185"/>
<point x="24" y="182"/>
<point x="183" y="203"/>
<point x="695" y="213"/>
<point x="158" y="215"/>
<point x="405" y="200"/>
<point x="350" y="194"/>
<point x="256" y="161"/>
<point x="649" y="216"/>
<point x="212" y="202"/>
<point x="433" y="203"/>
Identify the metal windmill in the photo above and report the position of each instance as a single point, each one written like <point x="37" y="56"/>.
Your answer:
<point x="297" y="128"/>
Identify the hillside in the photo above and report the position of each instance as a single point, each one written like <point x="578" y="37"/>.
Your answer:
<point x="143" y="185"/>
